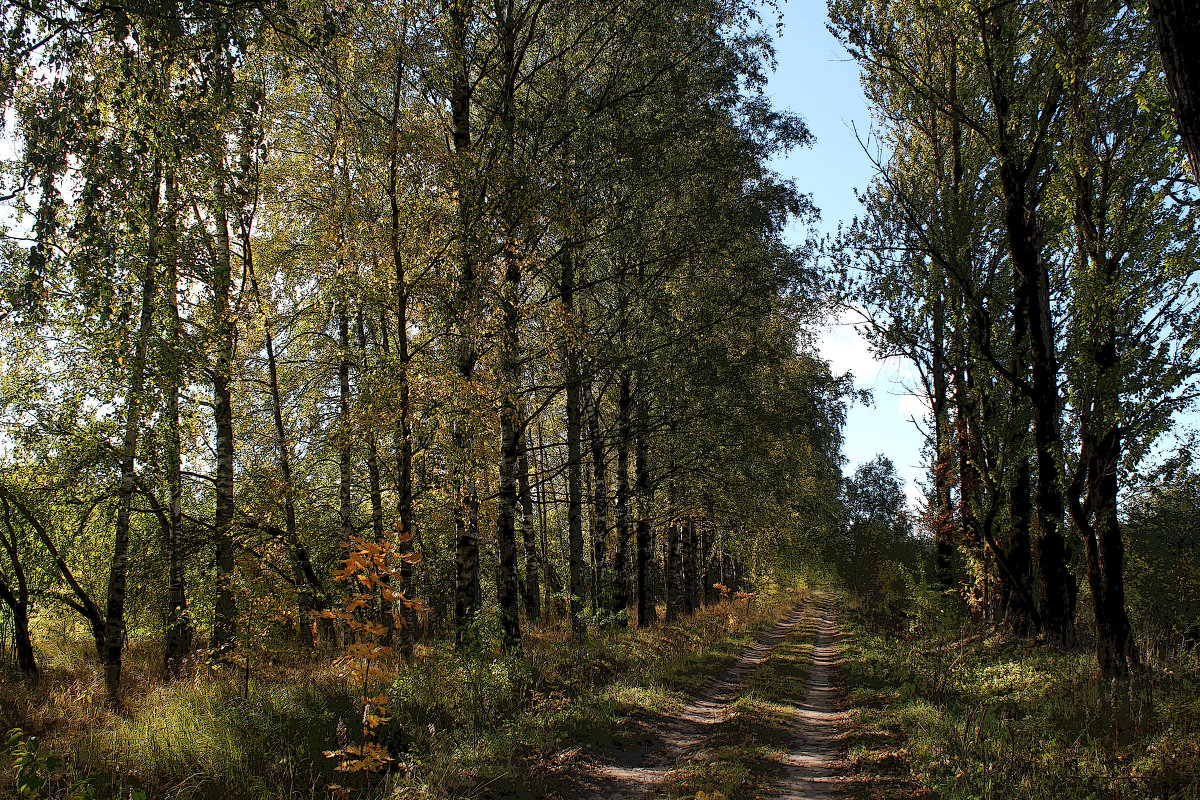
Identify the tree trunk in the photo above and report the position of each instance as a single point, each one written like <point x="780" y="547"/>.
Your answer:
<point x="114" y="625"/>
<point x="642" y="489"/>
<point x="1022" y="161"/>
<point x="511" y="431"/>
<point x="691" y="566"/>
<point x="1098" y="522"/>
<point x="942" y="465"/>
<point x="1057" y="585"/>
<point x="674" y="565"/>
<point x="21" y="638"/>
<point x="574" y="454"/>
<point x="620" y="569"/>
<point x="532" y="583"/>
<point x="1177" y="30"/>
<point x="224" y="630"/>
<point x="402" y="432"/>
<point x="545" y="498"/>
<point x="466" y="510"/>
<point x="178" y="640"/>
<point x="968" y="471"/>
<point x="599" y="500"/>
<point x="708" y="551"/>
<point x="18" y="601"/>
<point x="1100" y="461"/>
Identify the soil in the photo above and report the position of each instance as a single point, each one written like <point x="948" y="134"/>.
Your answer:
<point x="810" y="769"/>
<point x="820" y="725"/>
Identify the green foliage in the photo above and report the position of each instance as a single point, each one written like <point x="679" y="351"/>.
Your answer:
<point x="31" y="771"/>
<point x="34" y="775"/>
<point x="880" y="551"/>
<point x="1164" y="558"/>
<point x="969" y="713"/>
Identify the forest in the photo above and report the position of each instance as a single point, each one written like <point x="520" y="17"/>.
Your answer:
<point x="426" y="399"/>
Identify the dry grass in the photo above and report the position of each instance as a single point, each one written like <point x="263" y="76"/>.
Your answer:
<point x="464" y="723"/>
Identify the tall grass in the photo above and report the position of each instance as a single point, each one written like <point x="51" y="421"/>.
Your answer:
<point x="465" y="723"/>
<point x="968" y="712"/>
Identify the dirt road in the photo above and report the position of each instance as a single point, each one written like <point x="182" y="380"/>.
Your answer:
<point x="635" y="771"/>
<point x="819" y="724"/>
<point x="808" y="768"/>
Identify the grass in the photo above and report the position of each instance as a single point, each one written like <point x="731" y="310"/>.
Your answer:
<point x="956" y="710"/>
<point x="464" y="724"/>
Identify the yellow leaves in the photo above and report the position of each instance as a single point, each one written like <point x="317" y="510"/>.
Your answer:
<point x="373" y="721"/>
<point x="369" y="570"/>
<point x="368" y="651"/>
<point x="366" y="757"/>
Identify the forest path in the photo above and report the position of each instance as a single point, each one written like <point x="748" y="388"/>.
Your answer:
<point x="635" y="771"/>
<point x="819" y="724"/>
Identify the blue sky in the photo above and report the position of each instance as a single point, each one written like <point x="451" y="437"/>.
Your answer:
<point x="816" y="79"/>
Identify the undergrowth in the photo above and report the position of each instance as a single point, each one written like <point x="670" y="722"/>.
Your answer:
<point x="948" y="707"/>
<point x="465" y="723"/>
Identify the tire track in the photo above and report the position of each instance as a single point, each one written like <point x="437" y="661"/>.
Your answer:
<point x="636" y="771"/>
<point x="819" y="724"/>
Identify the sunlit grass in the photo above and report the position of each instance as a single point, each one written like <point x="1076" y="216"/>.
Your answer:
<point x="464" y="724"/>
<point x="970" y="713"/>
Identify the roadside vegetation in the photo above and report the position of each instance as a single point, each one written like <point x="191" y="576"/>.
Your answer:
<point x="950" y="708"/>
<point x="514" y="727"/>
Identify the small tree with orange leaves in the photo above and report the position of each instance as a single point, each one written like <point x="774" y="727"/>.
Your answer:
<point x="369" y="571"/>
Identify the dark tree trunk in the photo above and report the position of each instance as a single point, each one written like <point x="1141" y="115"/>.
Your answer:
<point x="511" y="424"/>
<point x="1058" y="588"/>
<point x="402" y="432"/>
<point x="1016" y="578"/>
<point x="21" y="639"/>
<point x="531" y="586"/>
<point x="1097" y="519"/>
<point x="1100" y="461"/>
<point x="1023" y="155"/>
<point x="18" y="601"/>
<point x="943" y="475"/>
<point x="114" y="626"/>
<point x="177" y="642"/>
<point x="691" y="566"/>
<point x="647" y="614"/>
<point x="553" y="586"/>
<point x="620" y="569"/>
<point x="1177" y="31"/>
<point x="707" y="555"/>
<point x="676" y="531"/>
<point x="224" y="630"/>
<point x="969" y="484"/>
<point x="599" y="500"/>
<point x="574" y="452"/>
<point x="511" y="430"/>
<point x="510" y="435"/>
<point x="466" y="511"/>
